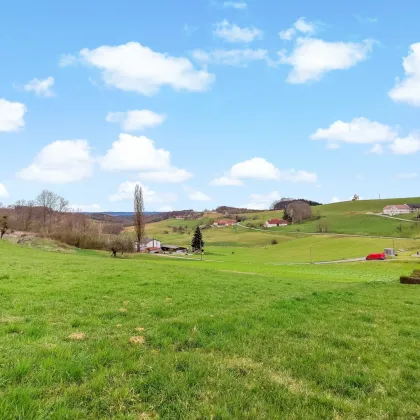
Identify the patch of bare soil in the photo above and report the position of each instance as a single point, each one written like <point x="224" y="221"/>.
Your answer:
<point x="77" y="336"/>
<point x="137" y="339"/>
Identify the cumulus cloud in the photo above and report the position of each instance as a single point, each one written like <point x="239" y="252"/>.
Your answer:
<point x="232" y="33"/>
<point x="226" y="181"/>
<point x="126" y="192"/>
<point x="11" y="115"/>
<point x="135" y="153"/>
<point x="196" y="195"/>
<point x="408" y="89"/>
<point x="136" y="68"/>
<point x="312" y="58"/>
<point x="406" y="145"/>
<point x="302" y="26"/>
<point x="358" y="130"/>
<point x="260" y="169"/>
<point x="67" y="60"/>
<point x="3" y="191"/>
<point x="237" y="57"/>
<point x="136" y="120"/>
<point x="335" y="200"/>
<point x="61" y="162"/>
<point x="239" y="5"/>
<point x="171" y="175"/>
<point x="41" y="87"/>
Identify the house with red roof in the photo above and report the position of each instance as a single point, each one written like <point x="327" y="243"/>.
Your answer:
<point x="275" y="222"/>
<point x="394" y="209"/>
<point x="224" y="223"/>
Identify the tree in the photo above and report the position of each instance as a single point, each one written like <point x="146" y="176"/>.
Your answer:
<point x="139" y="221"/>
<point x="3" y="226"/>
<point x="297" y="211"/>
<point x="355" y="198"/>
<point x="120" y="244"/>
<point x="197" y="240"/>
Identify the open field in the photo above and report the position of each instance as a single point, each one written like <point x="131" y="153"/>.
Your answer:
<point x="220" y="340"/>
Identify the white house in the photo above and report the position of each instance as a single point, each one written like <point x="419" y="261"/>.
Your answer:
<point x="394" y="209"/>
<point x="225" y="223"/>
<point x="275" y="222"/>
<point x="147" y="243"/>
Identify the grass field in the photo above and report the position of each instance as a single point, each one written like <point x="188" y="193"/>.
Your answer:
<point x="212" y="340"/>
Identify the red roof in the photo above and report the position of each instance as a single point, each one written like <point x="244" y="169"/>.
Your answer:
<point x="277" y="222"/>
<point x="397" y="206"/>
<point x="153" y="248"/>
<point x="226" y="222"/>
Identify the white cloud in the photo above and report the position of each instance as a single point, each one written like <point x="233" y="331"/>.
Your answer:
<point x="88" y="208"/>
<point x="407" y="175"/>
<point x="135" y="153"/>
<point x="136" y="120"/>
<point x="359" y="130"/>
<point x="11" y="115"/>
<point x="407" y="145"/>
<point x="262" y="201"/>
<point x="408" y="89"/>
<point x="170" y="176"/>
<point x="126" y="192"/>
<point x="235" y="34"/>
<point x="287" y="34"/>
<point x="301" y="25"/>
<point x="335" y="200"/>
<point x="67" y="60"/>
<point x="3" y="191"/>
<point x="367" y="19"/>
<point x="377" y="149"/>
<point x="237" y="57"/>
<point x="260" y="169"/>
<point x="312" y="58"/>
<point x="239" y="5"/>
<point x="189" y="30"/>
<point x="226" y="181"/>
<point x="135" y="68"/>
<point x="196" y="195"/>
<point x="333" y="146"/>
<point x="61" y="162"/>
<point x="41" y="87"/>
<point x="305" y="27"/>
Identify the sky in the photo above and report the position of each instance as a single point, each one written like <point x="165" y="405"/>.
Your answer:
<point x="209" y="102"/>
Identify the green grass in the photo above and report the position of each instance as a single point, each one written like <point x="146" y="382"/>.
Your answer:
<point x="222" y="340"/>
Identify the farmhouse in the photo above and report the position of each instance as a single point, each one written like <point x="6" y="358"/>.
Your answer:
<point x="394" y="209"/>
<point x="225" y="223"/>
<point x="146" y="243"/>
<point x="174" y="249"/>
<point x="275" y="222"/>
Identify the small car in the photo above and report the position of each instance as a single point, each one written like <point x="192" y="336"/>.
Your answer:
<point x="372" y="257"/>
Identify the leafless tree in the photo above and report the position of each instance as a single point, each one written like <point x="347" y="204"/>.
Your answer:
<point x="3" y="226"/>
<point x="139" y="221"/>
<point x="24" y="213"/>
<point x="298" y="211"/>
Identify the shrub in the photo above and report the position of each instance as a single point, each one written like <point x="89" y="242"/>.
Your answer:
<point x="274" y="242"/>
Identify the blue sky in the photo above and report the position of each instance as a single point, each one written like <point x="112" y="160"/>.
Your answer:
<point x="208" y="102"/>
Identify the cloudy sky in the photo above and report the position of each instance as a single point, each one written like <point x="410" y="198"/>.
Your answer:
<point x="209" y="102"/>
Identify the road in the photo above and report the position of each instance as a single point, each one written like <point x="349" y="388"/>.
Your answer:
<point x="393" y="218"/>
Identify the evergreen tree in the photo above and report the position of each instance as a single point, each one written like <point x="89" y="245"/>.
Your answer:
<point x="197" y="241"/>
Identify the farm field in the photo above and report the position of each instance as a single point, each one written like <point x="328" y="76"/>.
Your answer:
<point x="209" y="340"/>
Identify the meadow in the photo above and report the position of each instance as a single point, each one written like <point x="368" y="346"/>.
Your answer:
<point x="85" y="336"/>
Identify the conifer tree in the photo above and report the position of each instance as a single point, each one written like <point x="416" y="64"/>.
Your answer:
<point x="197" y="241"/>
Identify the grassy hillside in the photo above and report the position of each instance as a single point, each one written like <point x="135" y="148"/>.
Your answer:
<point x="86" y="337"/>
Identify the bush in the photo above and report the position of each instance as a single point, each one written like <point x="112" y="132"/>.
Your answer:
<point x="274" y="242"/>
<point x="122" y="244"/>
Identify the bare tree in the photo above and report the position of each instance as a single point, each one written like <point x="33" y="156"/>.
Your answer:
<point x="24" y="213"/>
<point x="298" y="211"/>
<point x="3" y="226"/>
<point x="139" y="221"/>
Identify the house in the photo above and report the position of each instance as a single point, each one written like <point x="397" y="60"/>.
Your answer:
<point x="275" y="222"/>
<point x="147" y="243"/>
<point x="154" y="250"/>
<point x="225" y="223"/>
<point x="394" y="209"/>
<point x="180" y="217"/>
<point x="174" y="249"/>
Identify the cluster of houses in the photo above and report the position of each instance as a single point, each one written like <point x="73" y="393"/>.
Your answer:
<point x="153" y="246"/>
<point x="396" y="209"/>
<point x="268" y="224"/>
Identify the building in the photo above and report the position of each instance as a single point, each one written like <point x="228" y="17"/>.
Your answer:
<point x="147" y="243"/>
<point x="225" y="223"/>
<point x="394" y="209"/>
<point x="174" y="249"/>
<point x="275" y="222"/>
